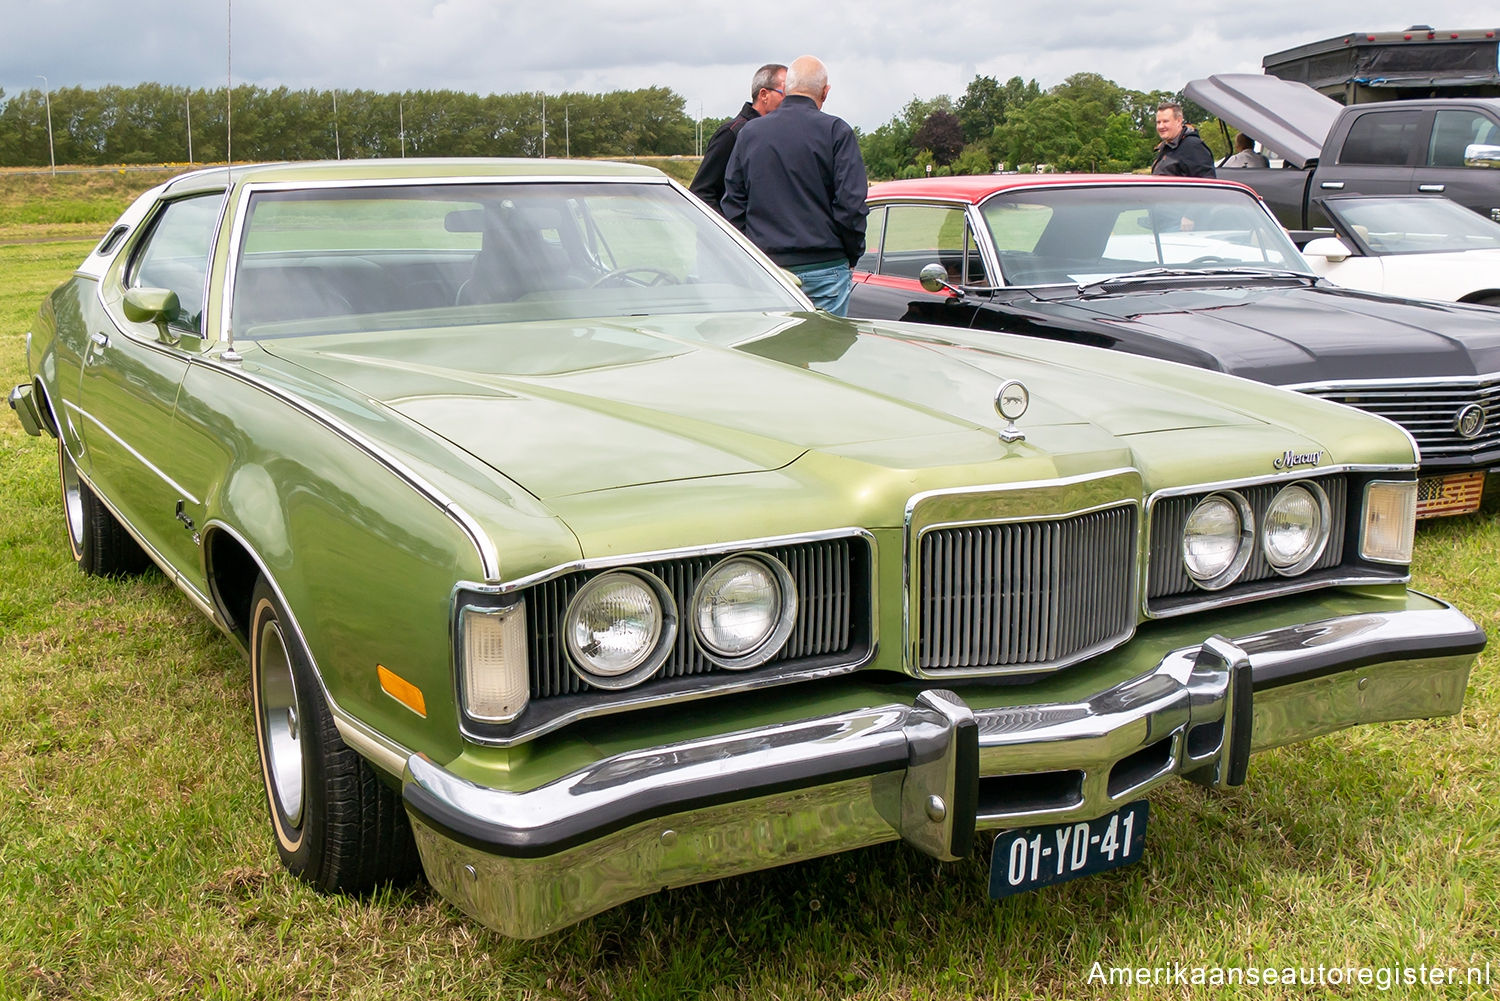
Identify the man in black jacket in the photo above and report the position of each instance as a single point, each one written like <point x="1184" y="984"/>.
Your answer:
<point x="796" y="187"/>
<point x="766" y="90"/>
<point x="1181" y="152"/>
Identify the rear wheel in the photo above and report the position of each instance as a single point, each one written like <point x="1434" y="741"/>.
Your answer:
<point x="99" y="543"/>
<point x="337" y="826"/>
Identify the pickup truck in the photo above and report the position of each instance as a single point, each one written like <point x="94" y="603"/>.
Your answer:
<point x="1436" y="146"/>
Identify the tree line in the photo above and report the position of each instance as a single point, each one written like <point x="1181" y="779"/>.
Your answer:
<point x="156" y="123"/>
<point x="1085" y="123"/>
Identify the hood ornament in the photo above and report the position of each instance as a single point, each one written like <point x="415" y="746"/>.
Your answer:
<point x="1011" y="401"/>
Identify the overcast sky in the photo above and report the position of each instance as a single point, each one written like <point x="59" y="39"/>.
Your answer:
<point x="880" y="53"/>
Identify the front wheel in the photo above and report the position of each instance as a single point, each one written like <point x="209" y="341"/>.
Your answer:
<point x="100" y="545"/>
<point x="337" y="826"/>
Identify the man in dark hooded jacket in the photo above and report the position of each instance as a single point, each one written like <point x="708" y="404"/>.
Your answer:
<point x="1181" y="152"/>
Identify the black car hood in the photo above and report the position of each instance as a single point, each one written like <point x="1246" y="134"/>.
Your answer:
<point x="1272" y="332"/>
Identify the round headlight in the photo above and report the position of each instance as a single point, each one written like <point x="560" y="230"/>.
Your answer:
<point x="1216" y="539"/>
<point x="743" y="610"/>
<point x="619" y="628"/>
<point x="1296" y="528"/>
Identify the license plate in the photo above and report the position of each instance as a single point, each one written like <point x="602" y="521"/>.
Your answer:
<point x="1055" y="853"/>
<point x="1456" y="493"/>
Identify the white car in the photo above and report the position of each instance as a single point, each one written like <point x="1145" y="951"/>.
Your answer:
<point x="1417" y="246"/>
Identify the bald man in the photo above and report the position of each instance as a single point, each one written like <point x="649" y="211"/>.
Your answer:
<point x="796" y="187"/>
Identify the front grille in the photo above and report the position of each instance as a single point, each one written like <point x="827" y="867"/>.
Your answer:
<point x="1168" y="574"/>
<point x="1024" y="593"/>
<point x="1430" y="413"/>
<point x="828" y="576"/>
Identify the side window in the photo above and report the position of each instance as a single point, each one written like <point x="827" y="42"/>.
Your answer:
<point x="1453" y="132"/>
<point x="175" y="253"/>
<point x="918" y="235"/>
<point x="1385" y="138"/>
<point x="874" y="231"/>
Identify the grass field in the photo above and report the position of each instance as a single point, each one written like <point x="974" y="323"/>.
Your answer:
<point x="136" y="860"/>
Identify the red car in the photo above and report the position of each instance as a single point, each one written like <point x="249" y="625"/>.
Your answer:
<point x="1194" y="271"/>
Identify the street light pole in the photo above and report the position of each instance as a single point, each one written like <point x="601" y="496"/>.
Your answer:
<point x="47" y="96"/>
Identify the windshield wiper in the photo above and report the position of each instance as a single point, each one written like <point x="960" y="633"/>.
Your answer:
<point x="1103" y="285"/>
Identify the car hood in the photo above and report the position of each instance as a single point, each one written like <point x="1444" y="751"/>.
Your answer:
<point x="1284" y="335"/>
<point x="572" y="407"/>
<point x="1289" y="117"/>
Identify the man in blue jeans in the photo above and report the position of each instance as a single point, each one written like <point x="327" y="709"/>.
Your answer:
<point x="796" y="187"/>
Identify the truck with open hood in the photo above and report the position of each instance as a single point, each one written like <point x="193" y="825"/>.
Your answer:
<point x="1447" y="146"/>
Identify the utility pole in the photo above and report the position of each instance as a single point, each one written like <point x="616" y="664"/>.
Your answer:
<point x="544" y="125"/>
<point x="401" y="122"/>
<point x="567" y="135"/>
<point x="337" y="153"/>
<point x="47" y="96"/>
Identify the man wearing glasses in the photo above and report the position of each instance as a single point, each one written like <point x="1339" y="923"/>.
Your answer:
<point x="766" y="90"/>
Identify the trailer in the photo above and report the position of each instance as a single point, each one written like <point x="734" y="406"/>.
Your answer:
<point x="1418" y="62"/>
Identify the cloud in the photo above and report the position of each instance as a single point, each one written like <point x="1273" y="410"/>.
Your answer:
<point x="880" y="53"/>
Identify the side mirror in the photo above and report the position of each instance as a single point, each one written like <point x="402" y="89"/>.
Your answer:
<point x="152" y="305"/>
<point x="934" y="278"/>
<point x="1330" y="247"/>
<point x="1481" y="155"/>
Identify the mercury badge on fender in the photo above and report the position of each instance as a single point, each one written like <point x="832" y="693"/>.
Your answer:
<point x="576" y="555"/>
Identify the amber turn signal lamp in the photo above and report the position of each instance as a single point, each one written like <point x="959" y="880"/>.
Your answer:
<point x="401" y="690"/>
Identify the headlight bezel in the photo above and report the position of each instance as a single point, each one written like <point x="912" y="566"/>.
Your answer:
<point x="664" y="634"/>
<point x="782" y="622"/>
<point x="1247" y="536"/>
<point x="1299" y="566"/>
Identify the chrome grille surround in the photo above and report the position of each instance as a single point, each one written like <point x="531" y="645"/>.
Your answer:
<point x="1168" y="589"/>
<point x="1428" y="409"/>
<point x="1024" y="578"/>
<point x="833" y="633"/>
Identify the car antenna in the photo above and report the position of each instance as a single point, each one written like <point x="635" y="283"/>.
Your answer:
<point x="229" y="354"/>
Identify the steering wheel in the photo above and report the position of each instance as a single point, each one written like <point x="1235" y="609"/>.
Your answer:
<point x="663" y="277"/>
<point x="1210" y="259"/>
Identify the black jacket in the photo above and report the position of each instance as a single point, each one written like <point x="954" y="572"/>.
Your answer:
<point x="708" y="182"/>
<point x="1188" y="156"/>
<point x="796" y="186"/>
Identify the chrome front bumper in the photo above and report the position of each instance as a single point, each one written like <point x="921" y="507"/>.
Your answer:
<point x="527" y="863"/>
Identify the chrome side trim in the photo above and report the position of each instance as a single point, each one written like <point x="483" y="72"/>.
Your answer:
<point x="684" y="552"/>
<point x="160" y="474"/>
<point x="184" y="585"/>
<point x="484" y="546"/>
<point x="379" y="750"/>
<point x="529" y="862"/>
<point x="1342" y="385"/>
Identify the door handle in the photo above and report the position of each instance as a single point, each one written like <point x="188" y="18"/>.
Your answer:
<point x="1432" y="188"/>
<point x="1332" y="185"/>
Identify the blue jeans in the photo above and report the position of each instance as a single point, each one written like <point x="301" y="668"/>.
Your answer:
<point x="827" y="285"/>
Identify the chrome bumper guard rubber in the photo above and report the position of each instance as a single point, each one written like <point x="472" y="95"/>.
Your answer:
<point x="527" y="863"/>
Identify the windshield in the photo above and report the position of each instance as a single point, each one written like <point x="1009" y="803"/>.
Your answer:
<point x="1414" y="225"/>
<point x="335" y="260"/>
<point x="1085" y="234"/>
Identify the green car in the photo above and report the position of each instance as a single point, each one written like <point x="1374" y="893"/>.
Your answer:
<point x="576" y="555"/>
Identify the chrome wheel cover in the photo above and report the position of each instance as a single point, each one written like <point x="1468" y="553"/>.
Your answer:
<point x="277" y="697"/>
<point x="72" y="497"/>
